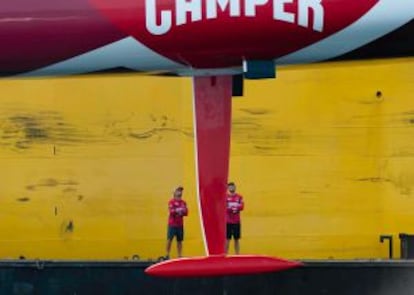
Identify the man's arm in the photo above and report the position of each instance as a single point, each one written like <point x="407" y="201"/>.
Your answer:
<point x="229" y="208"/>
<point x="171" y="208"/>
<point x="185" y="209"/>
<point x="241" y="204"/>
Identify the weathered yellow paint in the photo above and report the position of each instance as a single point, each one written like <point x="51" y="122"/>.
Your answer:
<point x="324" y="163"/>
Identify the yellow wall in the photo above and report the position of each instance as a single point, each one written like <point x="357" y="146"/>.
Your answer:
<point x="325" y="165"/>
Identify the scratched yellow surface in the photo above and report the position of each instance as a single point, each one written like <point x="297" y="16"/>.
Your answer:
<point x="324" y="156"/>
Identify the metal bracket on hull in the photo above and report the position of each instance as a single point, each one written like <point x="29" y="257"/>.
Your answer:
<point x="259" y="69"/>
<point x="238" y="85"/>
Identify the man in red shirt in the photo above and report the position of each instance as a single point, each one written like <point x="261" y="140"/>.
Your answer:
<point x="234" y="206"/>
<point x="177" y="208"/>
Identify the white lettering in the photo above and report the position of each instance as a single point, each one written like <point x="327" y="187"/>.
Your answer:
<point x="160" y="21"/>
<point x="318" y="14"/>
<point x="188" y="6"/>
<point x="212" y="7"/>
<point x="151" y="19"/>
<point x="279" y="12"/>
<point x="250" y="6"/>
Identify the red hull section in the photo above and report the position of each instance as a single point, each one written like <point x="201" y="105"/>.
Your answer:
<point x="229" y="39"/>
<point x="57" y="37"/>
<point x="220" y="266"/>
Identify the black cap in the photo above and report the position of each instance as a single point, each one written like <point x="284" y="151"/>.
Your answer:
<point x="231" y="183"/>
<point x="180" y="188"/>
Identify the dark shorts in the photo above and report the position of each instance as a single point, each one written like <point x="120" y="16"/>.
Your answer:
<point x="177" y="232"/>
<point x="233" y="230"/>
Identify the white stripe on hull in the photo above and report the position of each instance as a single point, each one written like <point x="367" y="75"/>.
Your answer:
<point x="128" y="53"/>
<point x="382" y="19"/>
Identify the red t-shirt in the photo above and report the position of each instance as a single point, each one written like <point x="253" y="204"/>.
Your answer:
<point x="234" y="206"/>
<point x="177" y="209"/>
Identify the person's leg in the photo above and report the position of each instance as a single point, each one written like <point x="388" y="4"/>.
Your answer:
<point x="170" y="236"/>
<point x="237" y="235"/>
<point x="228" y="237"/>
<point x="236" y="246"/>
<point x="180" y="238"/>
<point x="168" y="248"/>
<point x="180" y="249"/>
